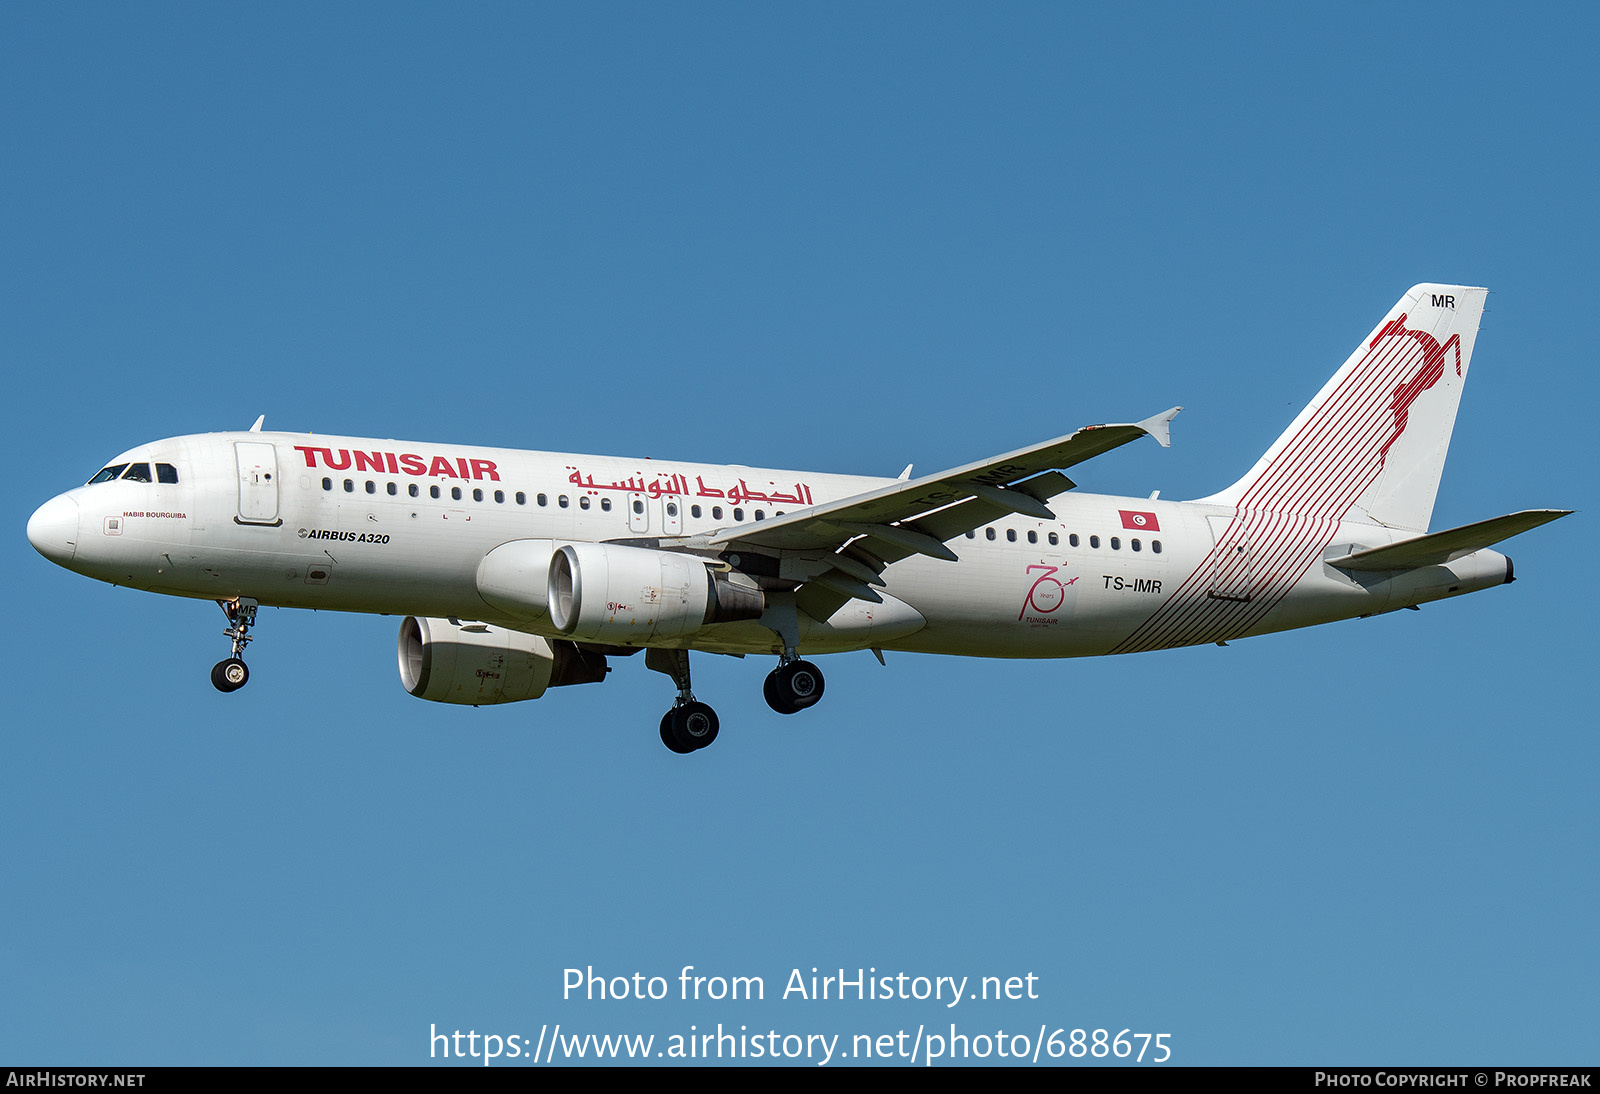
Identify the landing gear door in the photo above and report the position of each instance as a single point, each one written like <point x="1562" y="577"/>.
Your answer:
<point x="258" y="483"/>
<point x="1231" y="561"/>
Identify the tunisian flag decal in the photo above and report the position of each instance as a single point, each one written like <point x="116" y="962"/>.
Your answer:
<point x="1139" y="522"/>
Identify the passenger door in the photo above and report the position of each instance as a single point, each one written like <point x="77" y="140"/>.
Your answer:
<point x="258" y="483"/>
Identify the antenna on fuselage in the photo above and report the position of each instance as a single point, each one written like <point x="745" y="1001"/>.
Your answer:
<point x="257" y="427"/>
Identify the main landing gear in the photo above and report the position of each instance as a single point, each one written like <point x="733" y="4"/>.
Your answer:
<point x="690" y="725"/>
<point x="793" y="685"/>
<point x="233" y="674"/>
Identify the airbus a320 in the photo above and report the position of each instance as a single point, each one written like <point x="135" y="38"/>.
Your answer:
<point x="521" y="571"/>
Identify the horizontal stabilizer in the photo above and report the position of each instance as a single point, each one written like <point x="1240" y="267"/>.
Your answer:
<point x="1441" y="547"/>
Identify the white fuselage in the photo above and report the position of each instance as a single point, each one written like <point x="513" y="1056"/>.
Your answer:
<point x="400" y="528"/>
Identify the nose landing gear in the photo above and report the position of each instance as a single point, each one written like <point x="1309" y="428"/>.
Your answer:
<point x="232" y="674"/>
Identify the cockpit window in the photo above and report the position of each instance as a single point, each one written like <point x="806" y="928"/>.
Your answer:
<point x="165" y="472"/>
<point x="108" y="473"/>
<point x="137" y="472"/>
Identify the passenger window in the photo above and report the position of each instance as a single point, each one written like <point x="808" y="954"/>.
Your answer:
<point x="672" y="508"/>
<point x="988" y="533"/>
<point x="738" y="513"/>
<point x="562" y="501"/>
<point x="372" y="487"/>
<point x="760" y="515"/>
<point x="349" y="486"/>
<point x="1011" y="535"/>
<point x="971" y="534"/>
<point x="543" y="499"/>
<point x="1054" y="539"/>
<point x="455" y="493"/>
<point x="1094" y="541"/>
<point x="477" y="493"/>
<point x="716" y="512"/>
<point x="522" y="499"/>
<point x="107" y="474"/>
<point x="166" y="473"/>
<point x="638" y="506"/>
<point x="1033" y="537"/>
<point x="414" y="490"/>
<point x="1155" y="545"/>
<point x="393" y="489"/>
<point x="327" y="484"/>
<point x="583" y="502"/>
<point x="1134" y="544"/>
<point x="605" y="505"/>
<point x="1116" y="544"/>
<point x="694" y="511"/>
<point x="500" y="496"/>
<point x="137" y="472"/>
<point x="433" y="492"/>
<point x="1073" y="539"/>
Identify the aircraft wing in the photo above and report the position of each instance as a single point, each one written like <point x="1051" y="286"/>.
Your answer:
<point x="917" y="516"/>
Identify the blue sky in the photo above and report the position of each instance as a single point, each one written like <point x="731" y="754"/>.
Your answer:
<point x="832" y="237"/>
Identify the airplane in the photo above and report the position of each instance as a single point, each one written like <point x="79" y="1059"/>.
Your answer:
<point x="519" y="571"/>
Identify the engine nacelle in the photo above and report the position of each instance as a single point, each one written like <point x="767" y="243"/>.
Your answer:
<point x="515" y="576"/>
<point x="605" y="592"/>
<point x="477" y="665"/>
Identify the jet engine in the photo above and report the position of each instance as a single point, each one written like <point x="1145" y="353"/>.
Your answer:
<point x="475" y="664"/>
<point x="605" y="592"/>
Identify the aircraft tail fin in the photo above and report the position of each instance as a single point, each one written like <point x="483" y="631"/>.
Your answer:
<point x="1371" y="445"/>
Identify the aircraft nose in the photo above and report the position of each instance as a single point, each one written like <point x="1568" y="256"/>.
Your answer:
<point x="53" y="529"/>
